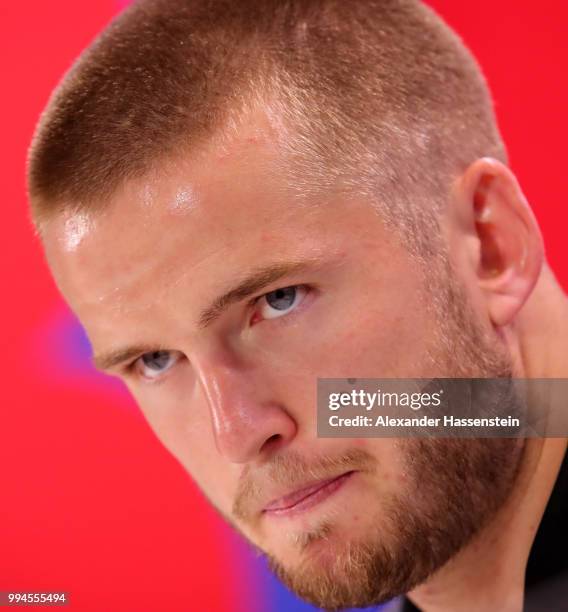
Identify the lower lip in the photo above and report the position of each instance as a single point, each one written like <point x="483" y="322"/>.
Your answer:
<point x="318" y="496"/>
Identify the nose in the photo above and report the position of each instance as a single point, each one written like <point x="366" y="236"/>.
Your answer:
<point x="247" y="422"/>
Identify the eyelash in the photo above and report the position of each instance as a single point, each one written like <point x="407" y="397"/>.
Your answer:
<point x="130" y="368"/>
<point x="254" y="301"/>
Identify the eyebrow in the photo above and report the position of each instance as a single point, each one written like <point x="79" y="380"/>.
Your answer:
<point x="255" y="281"/>
<point x="110" y="359"/>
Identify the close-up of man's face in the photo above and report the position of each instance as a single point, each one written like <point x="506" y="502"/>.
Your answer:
<point x="237" y="200"/>
<point x="220" y="297"/>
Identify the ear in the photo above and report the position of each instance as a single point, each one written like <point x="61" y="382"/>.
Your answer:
<point x="506" y="245"/>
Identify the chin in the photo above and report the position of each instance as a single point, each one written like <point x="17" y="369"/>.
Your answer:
<point x="322" y="545"/>
<point x="332" y="570"/>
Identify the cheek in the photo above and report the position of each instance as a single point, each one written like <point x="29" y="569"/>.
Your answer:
<point x="392" y="473"/>
<point x="367" y="343"/>
<point x="187" y="434"/>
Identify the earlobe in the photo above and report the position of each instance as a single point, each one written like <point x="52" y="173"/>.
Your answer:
<point x="510" y="247"/>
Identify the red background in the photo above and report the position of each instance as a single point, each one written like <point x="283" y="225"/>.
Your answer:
<point x="90" y="503"/>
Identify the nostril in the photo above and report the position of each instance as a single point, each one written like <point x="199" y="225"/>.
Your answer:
<point x="272" y="442"/>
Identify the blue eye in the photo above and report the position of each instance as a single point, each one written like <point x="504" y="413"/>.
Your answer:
<point x="280" y="302"/>
<point x="153" y="365"/>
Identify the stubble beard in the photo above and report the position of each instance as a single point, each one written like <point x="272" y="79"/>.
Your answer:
<point x="455" y="486"/>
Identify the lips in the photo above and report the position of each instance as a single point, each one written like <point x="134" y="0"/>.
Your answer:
<point x="290" y="500"/>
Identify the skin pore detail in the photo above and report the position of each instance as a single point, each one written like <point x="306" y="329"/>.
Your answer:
<point x="77" y="226"/>
<point x="237" y="407"/>
<point x="183" y="201"/>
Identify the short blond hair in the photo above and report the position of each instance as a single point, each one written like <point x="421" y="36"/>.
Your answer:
<point x="378" y="94"/>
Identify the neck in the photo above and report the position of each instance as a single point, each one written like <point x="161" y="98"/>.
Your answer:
<point x="489" y="573"/>
<point x="542" y="330"/>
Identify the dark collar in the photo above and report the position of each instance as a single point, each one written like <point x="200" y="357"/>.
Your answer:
<point x="547" y="568"/>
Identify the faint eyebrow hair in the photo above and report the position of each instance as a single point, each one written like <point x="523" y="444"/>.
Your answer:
<point x="254" y="282"/>
<point x="110" y="359"/>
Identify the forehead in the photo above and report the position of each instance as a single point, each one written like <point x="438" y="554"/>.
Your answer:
<point x="191" y="226"/>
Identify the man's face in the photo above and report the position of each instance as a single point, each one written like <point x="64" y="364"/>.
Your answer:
<point x="236" y="295"/>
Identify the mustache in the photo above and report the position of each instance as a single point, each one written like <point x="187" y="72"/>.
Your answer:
<point x="289" y="472"/>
